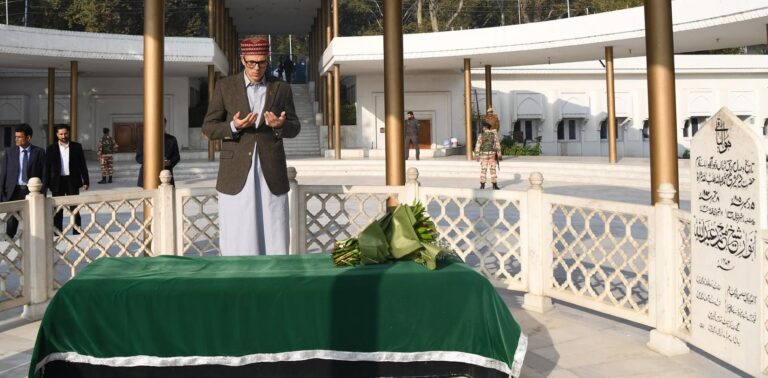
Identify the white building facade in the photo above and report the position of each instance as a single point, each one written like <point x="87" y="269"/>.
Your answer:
<point x="104" y="102"/>
<point x="110" y="83"/>
<point x="566" y="104"/>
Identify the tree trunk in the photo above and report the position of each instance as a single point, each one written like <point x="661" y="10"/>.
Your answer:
<point x="501" y="11"/>
<point x="538" y="10"/>
<point x="419" y="18"/>
<point x="458" y="10"/>
<point x="433" y="15"/>
<point x="524" y="5"/>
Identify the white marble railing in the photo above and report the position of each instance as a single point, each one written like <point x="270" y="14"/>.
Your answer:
<point x="600" y="255"/>
<point x="486" y="228"/>
<point x="683" y="264"/>
<point x="196" y="219"/>
<point x="112" y="224"/>
<point x="625" y="260"/>
<point x="14" y="263"/>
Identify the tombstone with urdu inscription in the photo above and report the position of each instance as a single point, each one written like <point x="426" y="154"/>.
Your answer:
<point x="728" y="211"/>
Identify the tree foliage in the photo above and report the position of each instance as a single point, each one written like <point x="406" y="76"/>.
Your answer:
<point x="297" y="47"/>
<point x="364" y="17"/>
<point x="183" y="17"/>
<point x="357" y="17"/>
<point x="102" y="16"/>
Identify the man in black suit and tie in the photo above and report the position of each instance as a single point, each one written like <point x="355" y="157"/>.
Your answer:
<point x="66" y="171"/>
<point x="22" y="162"/>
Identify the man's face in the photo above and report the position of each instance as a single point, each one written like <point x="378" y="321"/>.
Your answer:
<point x="410" y="116"/>
<point x="22" y="140"/>
<point x="63" y="135"/>
<point x="255" y="66"/>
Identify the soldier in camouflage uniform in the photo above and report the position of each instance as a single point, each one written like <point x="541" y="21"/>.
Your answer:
<point x="107" y="147"/>
<point x="492" y="120"/>
<point x="487" y="151"/>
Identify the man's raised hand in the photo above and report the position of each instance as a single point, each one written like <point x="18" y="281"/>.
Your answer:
<point x="274" y="121"/>
<point x="243" y="123"/>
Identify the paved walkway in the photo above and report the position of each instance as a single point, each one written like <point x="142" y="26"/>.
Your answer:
<point x="570" y="342"/>
<point x="602" y="192"/>
<point x="466" y="179"/>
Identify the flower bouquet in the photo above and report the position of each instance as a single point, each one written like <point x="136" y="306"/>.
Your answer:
<point x="407" y="233"/>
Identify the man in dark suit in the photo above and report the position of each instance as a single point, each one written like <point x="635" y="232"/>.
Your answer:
<point x="252" y="113"/>
<point x="66" y="171"/>
<point x="171" y="155"/>
<point x="22" y="162"/>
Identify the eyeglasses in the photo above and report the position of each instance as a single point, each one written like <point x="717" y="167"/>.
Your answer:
<point x="253" y="63"/>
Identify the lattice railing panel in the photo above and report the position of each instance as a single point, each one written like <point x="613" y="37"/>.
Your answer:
<point x="200" y="225"/>
<point x="12" y="275"/>
<point x="601" y="255"/>
<point x="338" y="216"/>
<point x="108" y="228"/>
<point x="486" y="233"/>
<point x="684" y="240"/>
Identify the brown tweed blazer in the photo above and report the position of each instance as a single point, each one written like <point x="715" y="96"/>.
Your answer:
<point x="236" y="156"/>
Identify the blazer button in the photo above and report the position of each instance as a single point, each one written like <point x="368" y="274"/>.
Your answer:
<point x="250" y="153"/>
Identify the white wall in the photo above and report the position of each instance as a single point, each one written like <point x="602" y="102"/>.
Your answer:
<point x="442" y="95"/>
<point x="439" y="97"/>
<point x="102" y="101"/>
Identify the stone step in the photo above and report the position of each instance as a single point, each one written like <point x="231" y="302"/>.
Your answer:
<point x="308" y="140"/>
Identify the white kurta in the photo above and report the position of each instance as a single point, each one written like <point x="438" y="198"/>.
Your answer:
<point x="254" y="221"/>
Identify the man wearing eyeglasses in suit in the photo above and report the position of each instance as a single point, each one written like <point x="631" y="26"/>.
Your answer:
<point x="22" y="162"/>
<point x="251" y="113"/>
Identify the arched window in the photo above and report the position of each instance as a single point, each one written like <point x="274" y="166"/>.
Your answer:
<point x="695" y="124"/>
<point x="604" y="128"/>
<point x="567" y="130"/>
<point x="524" y="130"/>
<point x="691" y="126"/>
<point x="529" y="129"/>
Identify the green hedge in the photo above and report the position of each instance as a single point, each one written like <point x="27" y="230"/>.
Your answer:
<point x="510" y="148"/>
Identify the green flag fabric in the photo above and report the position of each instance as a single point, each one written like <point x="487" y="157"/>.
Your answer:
<point x="228" y="311"/>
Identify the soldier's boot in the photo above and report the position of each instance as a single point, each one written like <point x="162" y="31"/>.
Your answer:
<point x="110" y="179"/>
<point x="495" y="187"/>
<point x="482" y="185"/>
<point x="103" y="180"/>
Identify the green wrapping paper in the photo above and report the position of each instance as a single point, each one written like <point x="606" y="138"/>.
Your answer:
<point x="407" y="233"/>
<point x="402" y="238"/>
<point x="374" y="248"/>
